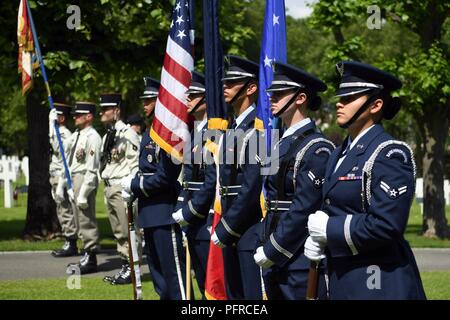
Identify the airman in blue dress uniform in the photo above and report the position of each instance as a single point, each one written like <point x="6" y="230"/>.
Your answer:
<point x="199" y="183"/>
<point x="367" y="194"/>
<point x="240" y="184"/>
<point x="157" y="188"/>
<point x="294" y="191"/>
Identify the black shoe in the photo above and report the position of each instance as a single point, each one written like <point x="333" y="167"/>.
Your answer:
<point x="87" y="264"/>
<point x="113" y="277"/>
<point x="123" y="276"/>
<point x="69" y="249"/>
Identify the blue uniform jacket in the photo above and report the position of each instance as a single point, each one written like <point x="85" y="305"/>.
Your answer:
<point x="196" y="204"/>
<point x="155" y="185"/>
<point x="242" y="210"/>
<point x="285" y="244"/>
<point x="367" y="255"/>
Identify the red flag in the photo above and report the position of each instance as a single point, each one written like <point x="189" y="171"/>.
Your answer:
<point x="26" y="47"/>
<point x="215" y="279"/>
<point x="171" y="124"/>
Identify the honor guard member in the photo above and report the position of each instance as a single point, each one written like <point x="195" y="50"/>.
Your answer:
<point x="368" y="191"/>
<point x="119" y="158"/>
<point x="199" y="184"/>
<point x="295" y="191"/>
<point x="60" y="114"/>
<point x="157" y="189"/>
<point x="240" y="184"/>
<point x="84" y="163"/>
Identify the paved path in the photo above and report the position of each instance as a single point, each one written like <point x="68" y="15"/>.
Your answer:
<point x="41" y="265"/>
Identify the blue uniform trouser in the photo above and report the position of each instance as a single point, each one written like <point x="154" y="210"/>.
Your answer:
<point x="199" y="250"/>
<point x="166" y="261"/>
<point x="281" y="284"/>
<point x="242" y="275"/>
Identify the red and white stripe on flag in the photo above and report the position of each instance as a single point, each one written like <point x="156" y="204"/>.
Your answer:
<point x="171" y="123"/>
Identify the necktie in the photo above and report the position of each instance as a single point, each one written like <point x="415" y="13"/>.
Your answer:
<point x="342" y="157"/>
<point x="234" y="124"/>
<point x="72" y="152"/>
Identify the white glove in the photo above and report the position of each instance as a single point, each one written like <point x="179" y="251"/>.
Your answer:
<point x="317" y="226"/>
<point x="314" y="251"/>
<point x="178" y="217"/>
<point x="126" y="196"/>
<point x="52" y="117"/>
<point x="126" y="183"/>
<point x="53" y="195"/>
<point x="209" y="228"/>
<point x="59" y="192"/>
<point x="82" y="197"/>
<point x="71" y="195"/>
<point x="82" y="202"/>
<point x="216" y="241"/>
<point x="261" y="258"/>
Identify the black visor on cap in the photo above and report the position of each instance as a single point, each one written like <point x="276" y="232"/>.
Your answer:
<point x="198" y="83"/>
<point x="287" y="77"/>
<point x="151" y="88"/>
<point x="239" y="68"/>
<point x="84" y="107"/>
<point x="108" y="100"/>
<point x="358" y="77"/>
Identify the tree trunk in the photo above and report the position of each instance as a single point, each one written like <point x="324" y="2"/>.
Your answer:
<point x="41" y="221"/>
<point x="436" y="124"/>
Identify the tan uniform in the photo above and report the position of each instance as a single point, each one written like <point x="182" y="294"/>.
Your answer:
<point x="64" y="211"/>
<point x="84" y="156"/>
<point x="123" y="162"/>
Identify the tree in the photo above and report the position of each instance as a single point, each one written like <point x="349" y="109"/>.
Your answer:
<point x="424" y="70"/>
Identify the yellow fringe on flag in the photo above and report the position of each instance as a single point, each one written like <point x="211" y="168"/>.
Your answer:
<point x="217" y="124"/>
<point x="165" y="146"/>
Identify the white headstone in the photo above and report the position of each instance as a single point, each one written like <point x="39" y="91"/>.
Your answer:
<point x="419" y="193"/>
<point x="447" y="191"/>
<point x="24" y="166"/>
<point x="9" y="174"/>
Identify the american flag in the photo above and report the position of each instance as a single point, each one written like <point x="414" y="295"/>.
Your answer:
<point x="171" y="124"/>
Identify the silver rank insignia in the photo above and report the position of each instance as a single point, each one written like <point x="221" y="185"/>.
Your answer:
<point x="340" y="68"/>
<point x="318" y="182"/>
<point x="392" y="192"/>
<point x="150" y="158"/>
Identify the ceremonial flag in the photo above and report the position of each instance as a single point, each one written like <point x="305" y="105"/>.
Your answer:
<point x="26" y="47"/>
<point x="217" y="108"/>
<point x="217" y="120"/>
<point x="171" y="123"/>
<point x="273" y="48"/>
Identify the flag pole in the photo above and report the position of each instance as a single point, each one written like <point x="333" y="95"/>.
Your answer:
<point x="49" y="95"/>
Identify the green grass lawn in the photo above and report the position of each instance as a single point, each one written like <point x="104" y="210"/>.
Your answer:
<point x="436" y="285"/>
<point x="12" y="222"/>
<point x="91" y="288"/>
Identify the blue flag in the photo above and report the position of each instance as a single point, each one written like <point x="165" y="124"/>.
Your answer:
<point x="216" y="107"/>
<point x="273" y="48"/>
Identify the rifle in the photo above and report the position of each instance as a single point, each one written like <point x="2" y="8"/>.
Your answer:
<point x="134" y="257"/>
<point x="107" y="148"/>
<point x="313" y="279"/>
